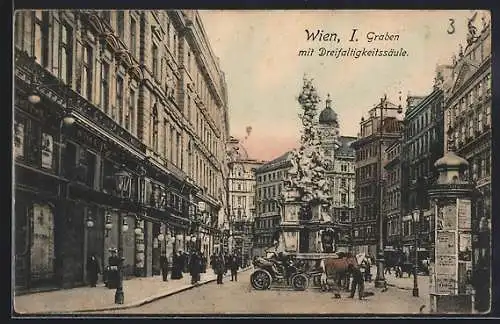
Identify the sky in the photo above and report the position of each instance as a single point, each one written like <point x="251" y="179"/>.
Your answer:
<point x="258" y="53"/>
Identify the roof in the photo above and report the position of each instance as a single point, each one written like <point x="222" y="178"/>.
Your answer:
<point x="345" y="148"/>
<point x="328" y="115"/>
<point x="450" y="160"/>
<point x="274" y="164"/>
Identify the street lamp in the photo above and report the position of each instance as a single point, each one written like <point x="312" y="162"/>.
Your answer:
<point x="416" y="220"/>
<point x="123" y="189"/>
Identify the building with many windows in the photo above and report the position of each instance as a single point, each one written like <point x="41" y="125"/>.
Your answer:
<point x="242" y="184"/>
<point x="270" y="178"/>
<point x="370" y="147"/>
<point x="468" y="104"/>
<point x="422" y="146"/>
<point x="392" y="195"/>
<point x="120" y="126"/>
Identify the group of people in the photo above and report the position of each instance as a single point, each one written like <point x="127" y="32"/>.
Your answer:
<point x="221" y="263"/>
<point x="193" y="263"/>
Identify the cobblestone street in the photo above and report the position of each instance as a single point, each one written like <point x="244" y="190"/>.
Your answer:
<point x="240" y="298"/>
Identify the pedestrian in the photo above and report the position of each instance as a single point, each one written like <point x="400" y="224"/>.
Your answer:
<point x="112" y="273"/>
<point x="195" y="267"/>
<point x="219" y="268"/>
<point x="176" y="266"/>
<point x="234" y="265"/>
<point x="164" y="267"/>
<point x="357" y="281"/>
<point x="185" y="263"/>
<point x="93" y="270"/>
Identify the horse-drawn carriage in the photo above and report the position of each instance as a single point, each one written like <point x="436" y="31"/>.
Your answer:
<point x="300" y="270"/>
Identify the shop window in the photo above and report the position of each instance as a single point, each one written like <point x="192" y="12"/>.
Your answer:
<point x="19" y="133"/>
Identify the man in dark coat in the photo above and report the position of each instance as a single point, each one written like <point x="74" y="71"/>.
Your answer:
<point x="93" y="270"/>
<point x="357" y="281"/>
<point x="164" y="267"/>
<point x="195" y="267"/>
<point x="219" y="267"/>
<point x="234" y="265"/>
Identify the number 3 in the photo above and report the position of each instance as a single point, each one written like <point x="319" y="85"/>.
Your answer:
<point x="451" y="28"/>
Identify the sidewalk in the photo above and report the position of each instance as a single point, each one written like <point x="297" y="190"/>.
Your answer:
<point x="137" y="291"/>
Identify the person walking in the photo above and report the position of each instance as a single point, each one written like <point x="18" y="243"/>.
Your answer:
<point x="234" y="265"/>
<point x="176" y="266"/>
<point x="219" y="268"/>
<point x="93" y="270"/>
<point x="195" y="267"/>
<point x="164" y="267"/>
<point x="357" y="281"/>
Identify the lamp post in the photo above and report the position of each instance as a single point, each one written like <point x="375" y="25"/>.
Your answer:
<point x="380" y="279"/>
<point x="123" y="188"/>
<point x="416" y="220"/>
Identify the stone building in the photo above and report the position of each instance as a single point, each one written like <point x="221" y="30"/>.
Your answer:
<point x="242" y="184"/>
<point x="468" y="105"/>
<point x="422" y="146"/>
<point x="270" y="178"/>
<point x="370" y="148"/>
<point x="392" y="195"/>
<point x="340" y="171"/>
<point x="120" y="131"/>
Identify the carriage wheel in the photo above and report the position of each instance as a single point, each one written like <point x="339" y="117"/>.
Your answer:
<point x="300" y="282"/>
<point x="261" y="280"/>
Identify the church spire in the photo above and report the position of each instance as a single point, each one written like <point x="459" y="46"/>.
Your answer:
<point x="328" y="101"/>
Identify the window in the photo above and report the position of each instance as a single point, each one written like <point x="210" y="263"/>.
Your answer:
<point x="40" y="39"/>
<point x="87" y="73"/>
<point x="165" y="139"/>
<point x="105" y="86"/>
<point x="155" y="127"/>
<point x="155" y="66"/>
<point x="133" y="37"/>
<point x="19" y="29"/>
<point x="91" y="164"/>
<point x="119" y="99"/>
<point x="343" y="183"/>
<point x="130" y="117"/>
<point x="343" y="198"/>
<point x="65" y="49"/>
<point x="120" y="23"/>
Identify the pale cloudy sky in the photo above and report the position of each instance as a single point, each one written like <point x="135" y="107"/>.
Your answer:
<point x="258" y="52"/>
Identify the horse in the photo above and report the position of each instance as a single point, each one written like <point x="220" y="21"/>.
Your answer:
<point x="335" y="271"/>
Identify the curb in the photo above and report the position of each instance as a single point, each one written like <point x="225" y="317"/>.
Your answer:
<point x="140" y="302"/>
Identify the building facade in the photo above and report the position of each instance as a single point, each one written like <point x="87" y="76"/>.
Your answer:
<point x="119" y="134"/>
<point x="270" y="178"/>
<point x="242" y="185"/>
<point x="422" y="146"/>
<point x="468" y="122"/>
<point x="370" y="148"/>
<point x="392" y="195"/>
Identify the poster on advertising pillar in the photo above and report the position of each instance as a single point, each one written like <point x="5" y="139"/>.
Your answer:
<point x="464" y="214"/>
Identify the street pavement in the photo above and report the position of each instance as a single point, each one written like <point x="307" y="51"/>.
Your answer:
<point x="153" y="296"/>
<point x="137" y="291"/>
<point x="240" y="298"/>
